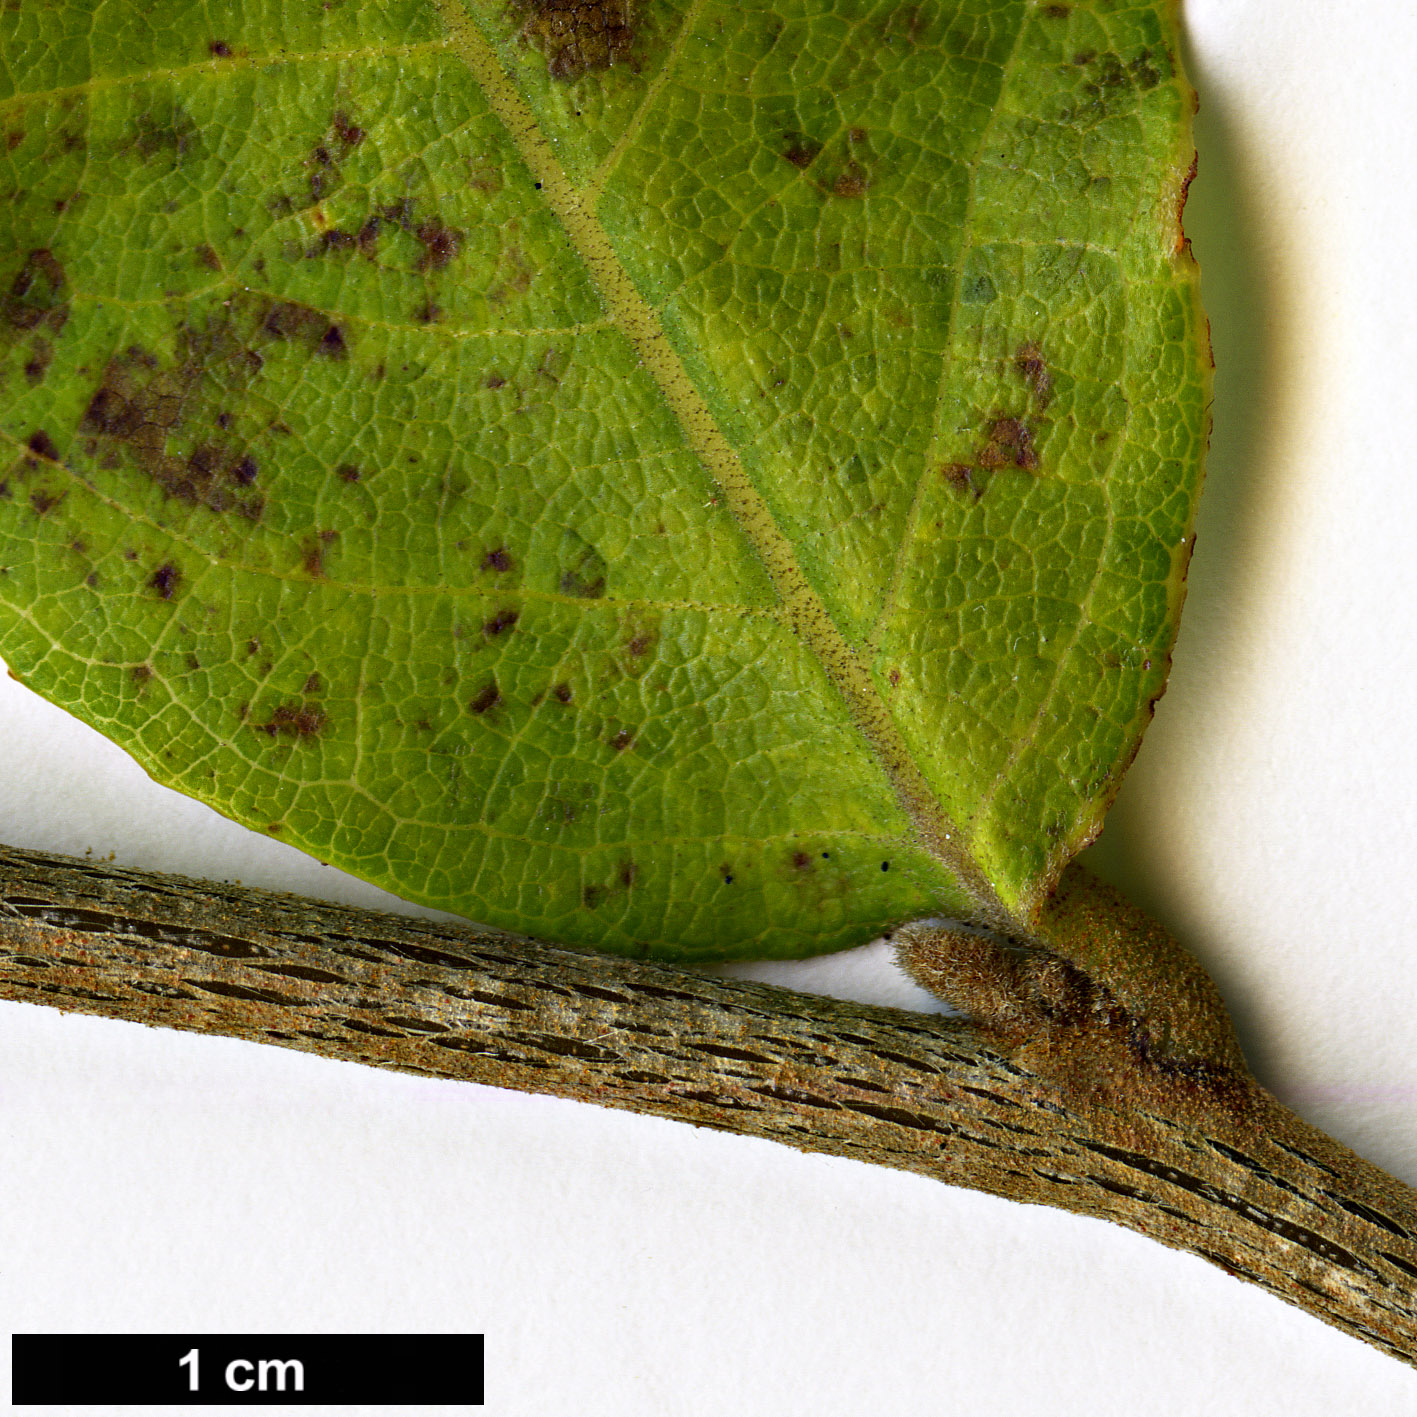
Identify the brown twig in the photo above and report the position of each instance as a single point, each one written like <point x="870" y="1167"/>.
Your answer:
<point x="1205" y="1163"/>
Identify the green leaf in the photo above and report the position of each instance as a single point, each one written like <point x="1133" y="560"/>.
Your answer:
<point x="695" y="478"/>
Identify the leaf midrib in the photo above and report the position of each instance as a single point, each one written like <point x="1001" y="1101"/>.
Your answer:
<point x="803" y="611"/>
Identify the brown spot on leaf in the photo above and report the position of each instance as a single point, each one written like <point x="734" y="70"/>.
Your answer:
<point x="1057" y="12"/>
<point x="311" y="685"/>
<point x="800" y="150"/>
<point x="498" y="559"/>
<point x="144" y="408"/>
<point x="347" y="130"/>
<point x="502" y="621"/>
<point x="368" y="237"/>
<point x="347" y="472"/>
<point x="37" y="365"/>
<point x="169" y="127"/>
<point x="292" y="321"/>
<point x="961" y="478"/>
<point x="220" y="49"/>
<point x="852" y="181"/>
<point x="440" y="243"/>
<point x="494" y="381"/>
<point x="577" y="36"/>
<point x="627" y="873"/>
<point x="1144" y="72"/>
<point x="141" y="673"/>
<point x="428" y="313"/>
<point x="641" y="645"/>
<point x="42" y="444"/>
<point x="299" y="721"/>
<point x="801" y="860"/>
<point x="562" y="693"/>
<point x="622" y="740"/>
<point x="165" y="580"/>
<point x="488" y="697"/>
<point x="313" y="554"/>
<point x="1029" y="362"/>
<point x="332" y="240"/>
<point x="1010" y="442"/>
<point x="209" y="258"/>
<point x="38" y="295"/>
<point x="45" y="502"/>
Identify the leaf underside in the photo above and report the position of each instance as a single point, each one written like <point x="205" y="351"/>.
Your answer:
<point x="706" y="479"/>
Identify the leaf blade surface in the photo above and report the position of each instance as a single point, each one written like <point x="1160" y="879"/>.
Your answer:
<point x="658" y="505"/>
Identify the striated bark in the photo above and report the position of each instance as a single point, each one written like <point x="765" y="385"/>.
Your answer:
<point x="1074" y="1115"/>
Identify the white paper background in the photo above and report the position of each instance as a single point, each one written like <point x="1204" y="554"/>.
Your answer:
<point x="152" y="1181"/>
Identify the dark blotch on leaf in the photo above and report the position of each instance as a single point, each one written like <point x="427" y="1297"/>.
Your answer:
<point x="583" y="569"/>
<point x="961" y="478"/>
<point x="142" y="673"/>
<point x="486" y="698"/>
<point x="1029" y="362"/>
<point x="220" y="49"/>
<point x="41" y="443"/>
<point x="37" y="365"/>
<point x="332" y="240"/>
<point x="368" y="238"/>
<point x="502" y="621"/>
<point x="44" y="502"/>
<point x="440" y="244"/>
<point x="297" y="721"/>
<point x="209" y="258"/>
<point x="801" y="860"/>
<point x="852" y="182"/>
<point x="313" y="557"/>
<point x="289" y="320"/>
<point x="498" y="559"/>
<point x="347" y="131"/>
<point x="799" y="149"/>
<point x="562" y="693"/>
<point x="577" y="36"/>
<point x="1010" y="442"/>
<point x="622" y="740"/>
<point x="146" y="407"/>
<point x="165" y="580"/>
<point x="38" y="295"/>
<point x="347" y="472"/>
<point x="156" y="130"/>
